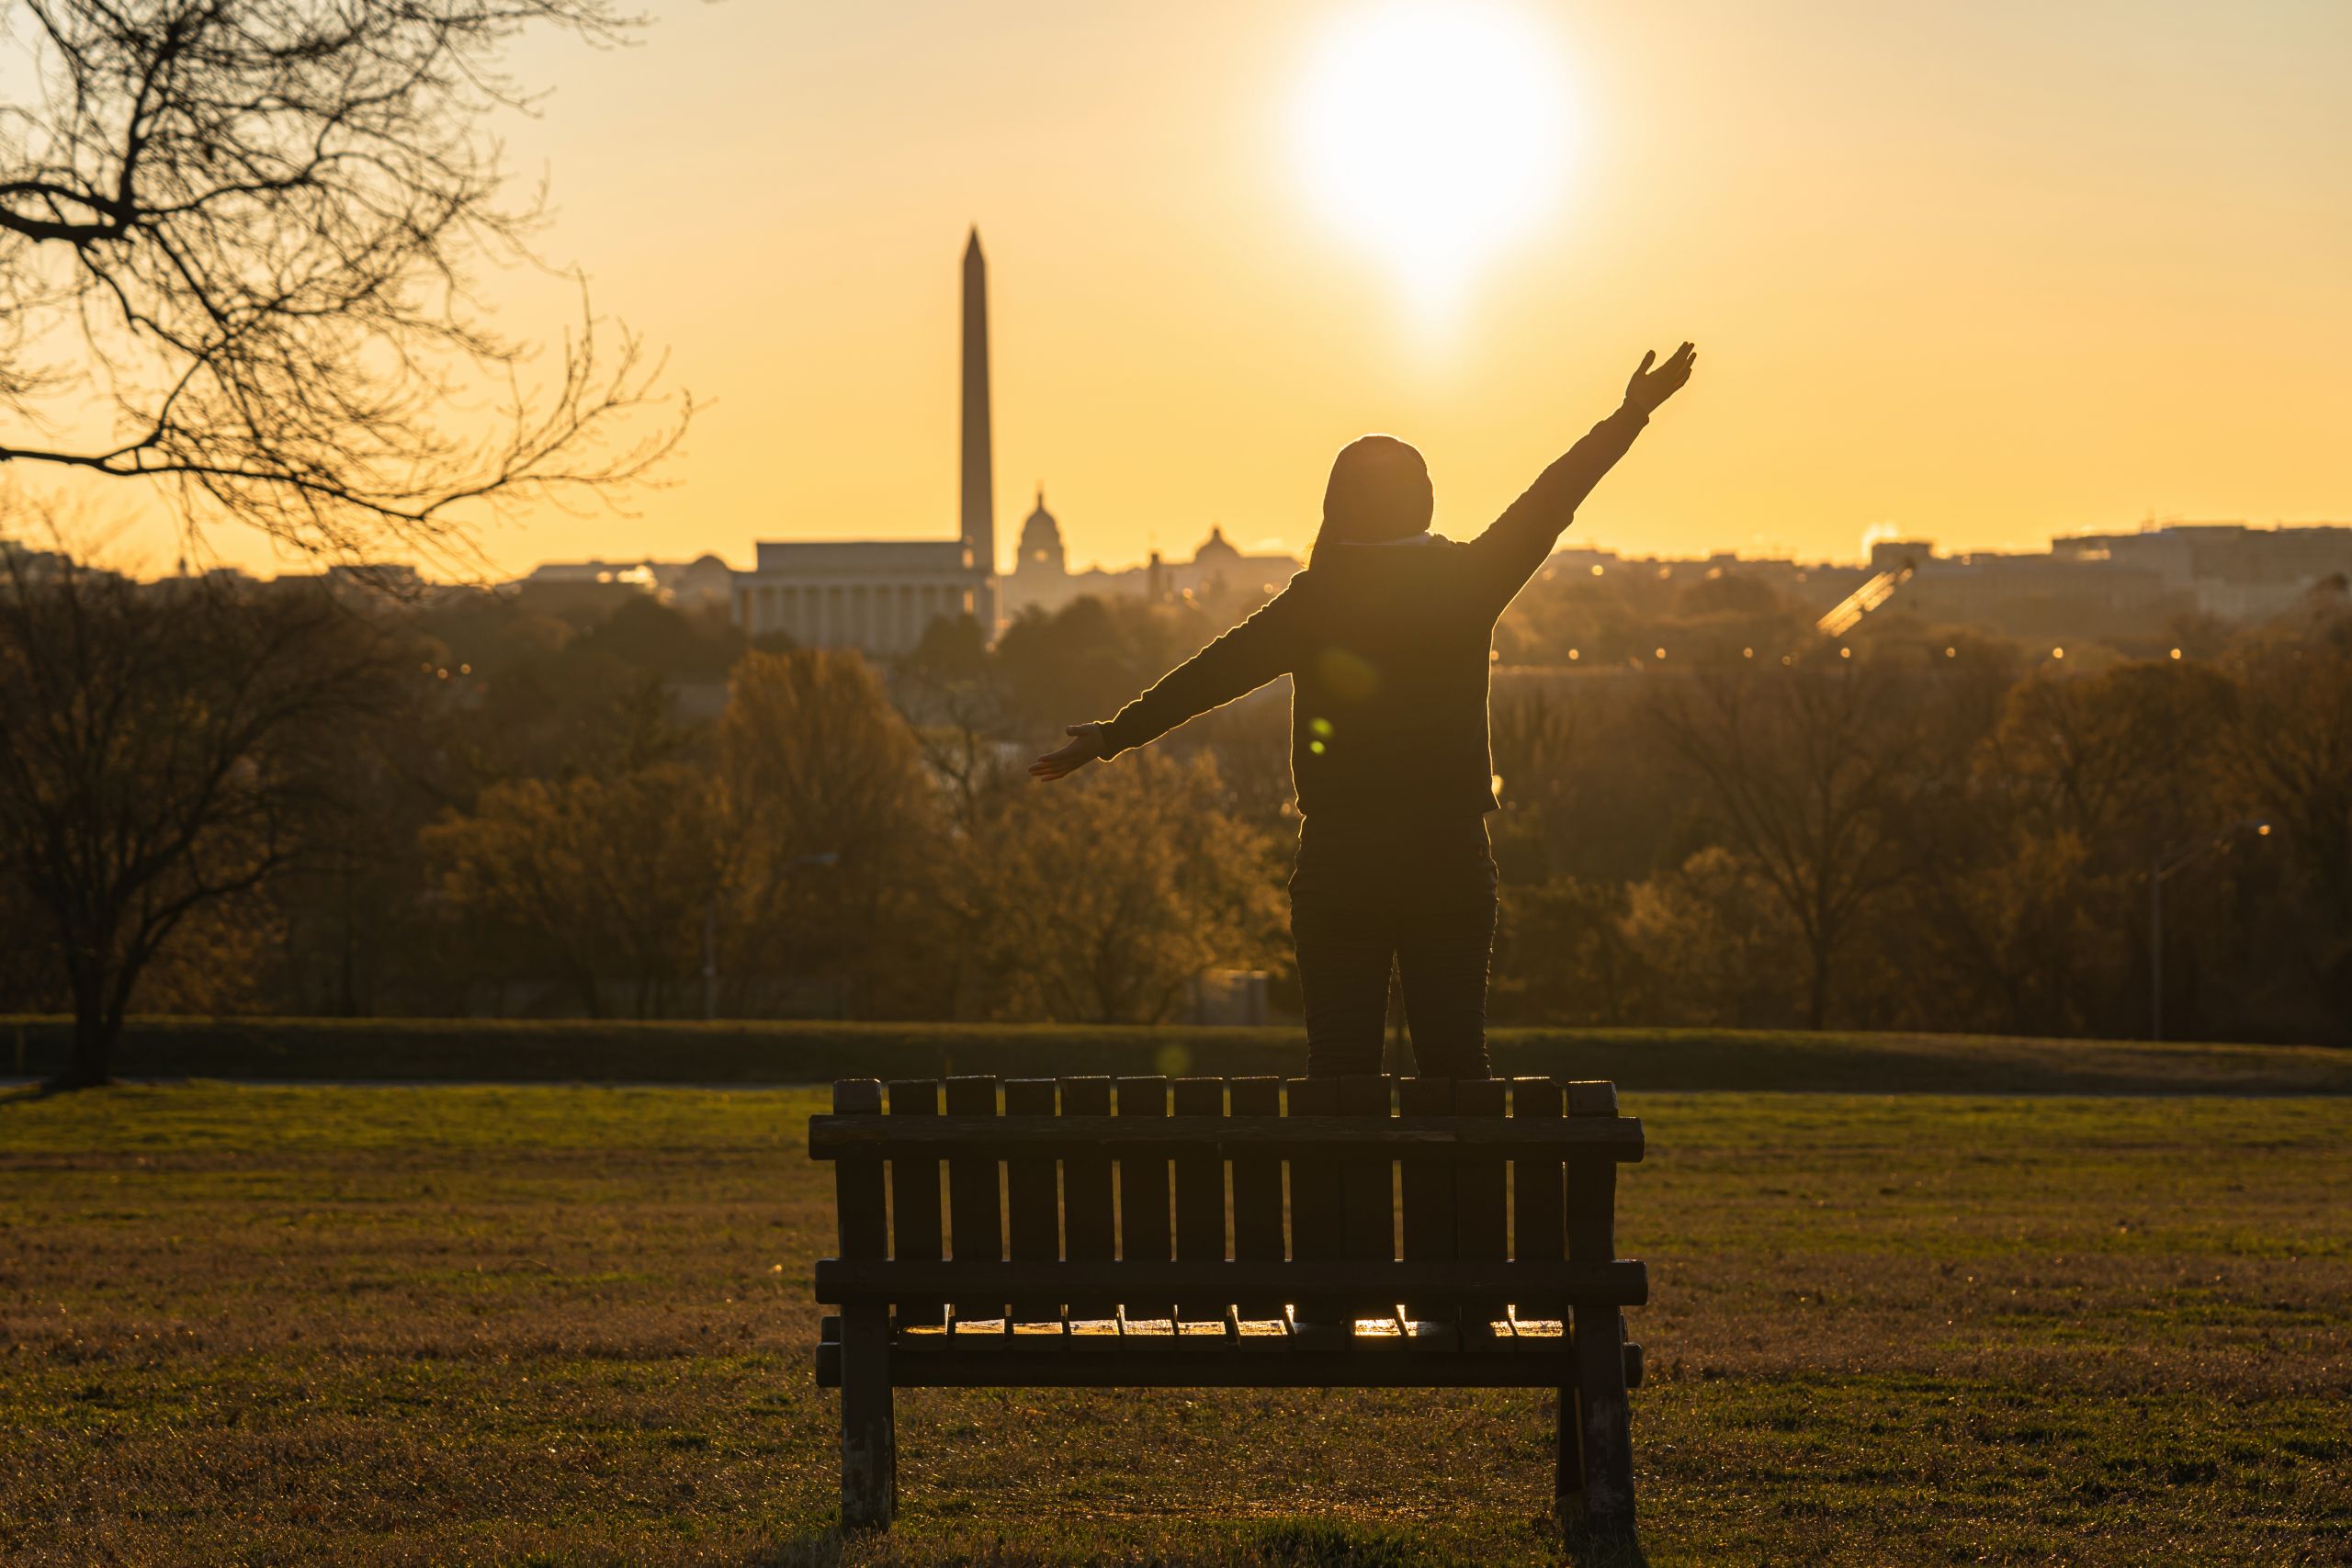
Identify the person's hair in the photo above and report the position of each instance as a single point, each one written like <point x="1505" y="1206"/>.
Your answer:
<point x="1379" y="491"/>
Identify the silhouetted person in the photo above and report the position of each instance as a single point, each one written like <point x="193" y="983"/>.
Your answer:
<point x="1385" y="636"/>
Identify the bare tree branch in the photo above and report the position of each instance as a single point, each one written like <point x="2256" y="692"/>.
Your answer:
<point x="258" y="223"/>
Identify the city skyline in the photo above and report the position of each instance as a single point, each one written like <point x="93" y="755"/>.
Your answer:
<point x="1950" y="289"/>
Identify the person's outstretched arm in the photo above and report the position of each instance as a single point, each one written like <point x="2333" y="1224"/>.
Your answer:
<point x="1234" y="665"/>
<point x="1517" y="542"/>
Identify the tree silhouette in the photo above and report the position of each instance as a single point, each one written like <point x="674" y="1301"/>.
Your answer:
<point x="251" y="228"/>
<point x="1803" y="768"/>
<point x="170" y="746"/>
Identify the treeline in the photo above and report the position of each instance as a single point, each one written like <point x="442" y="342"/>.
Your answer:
<point x="306" y="799"/>
<point x="1930" y="832"/>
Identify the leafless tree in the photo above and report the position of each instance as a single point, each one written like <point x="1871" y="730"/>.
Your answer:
<point x="1803" y="770"/>
<point x="239" y="248"/>
<point x="170" y="746"/>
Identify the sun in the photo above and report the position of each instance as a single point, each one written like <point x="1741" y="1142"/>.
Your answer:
<point x="1433" y="134"/>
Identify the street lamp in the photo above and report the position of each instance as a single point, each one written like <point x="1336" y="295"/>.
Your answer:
<point x="2160" y="870"/>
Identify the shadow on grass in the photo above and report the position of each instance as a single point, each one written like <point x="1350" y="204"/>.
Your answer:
<point x="816" y="1548"/>
<point x="51" y="1087"/>
<point x="1276" y="1543"/>
<point x="1587" y="1548"/>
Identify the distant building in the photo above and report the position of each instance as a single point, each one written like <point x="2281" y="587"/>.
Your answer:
<point x="705" y="579"/>
<point x="879" y="596"/>
<point x="2121" y="585"/>
<point x="1041" y="557"/>
<point x="2229" y="570"/>
<point x="1218" y="571"/>
<point x="2097" y="586"/>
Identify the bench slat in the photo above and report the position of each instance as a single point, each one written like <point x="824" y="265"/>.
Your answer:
<point x="1257" y="1191"/>
<point x="1225" y="1366"/>
<point x="1088" y="1220"/>
<point x="1368" y="1178"/>
<point x="1200" y="1196"/>
<point x="858" y="1202"/>
<point x="1434" y="1358"/>
<point x="830" y="1137"/>
<point x="1144" y="1235"/>
<point x="1538" y="1219"/>
<point x="1428" y="1181"/>
<point x="1480" y="1224"/>
<point x="1318" y="1195"/>
<point x="916" y="1232"/>
<point x="1619" y="1281"/>
<point x="975" y="1206"/>
<point x="1033" y="1207"/>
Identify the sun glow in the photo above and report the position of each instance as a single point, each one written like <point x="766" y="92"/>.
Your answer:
<point x="1434" y="134"/>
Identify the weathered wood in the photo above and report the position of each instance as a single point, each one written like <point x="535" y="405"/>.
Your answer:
<point x="1258" y="1193"/>
<point x="869" y="1450"/>
<point x="1090" y="1224"/>
<point x="860" y="1208"/>
<point x="1591" y="1097"/>
<point x="1481" y="1226"/>
<point x="1190" y="1362"/>
<point x="830" y="1137"/>
<point x="1620" y="1282"/>
<point x="1538" y="1217"/>
<point x="1144" y="1234"/>
<point x="1317" y="1203"/>
<point x="1200" y="1197"/>
<point x="1033" y="1206"/>
<point x="1604" y="1423"/>
<point x="1427" y="1182"/>
<point x="1368" y="1178"/>
<point x="975" y="1201"/>
<point x="918" y="1232"/>
<point x="1526" y="1335"/>
<point x="927" y="1358"/>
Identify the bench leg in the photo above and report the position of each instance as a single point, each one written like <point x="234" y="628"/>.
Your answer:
<point x="1604" y="1421"/>
<point x="1568" y="1468"/>
<point x="869" y="1443"/>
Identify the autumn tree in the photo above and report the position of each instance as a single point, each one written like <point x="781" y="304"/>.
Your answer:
<point x="604" y="885"/>
<point x="1085" y="659"/>
<point x="240" y="242"/>
<point x="1101" y="900"/>
<point x="1716" y="944"/>
<point x="835" y="832"/>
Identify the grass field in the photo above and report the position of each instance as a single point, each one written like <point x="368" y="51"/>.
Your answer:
<point x="572" y="1326"/>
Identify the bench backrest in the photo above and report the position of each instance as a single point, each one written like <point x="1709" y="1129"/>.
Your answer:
<point x="1169" y="1197"/>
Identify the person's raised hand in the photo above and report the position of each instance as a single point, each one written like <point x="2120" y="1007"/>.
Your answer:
<point x="1650" y="388"/>
<point x="1085" y="745"/>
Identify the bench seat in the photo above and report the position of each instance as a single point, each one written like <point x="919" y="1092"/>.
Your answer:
<point x="1118" y="1352"/>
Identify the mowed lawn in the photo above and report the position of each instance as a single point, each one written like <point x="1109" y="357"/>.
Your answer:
<point x="572" y="1326"/>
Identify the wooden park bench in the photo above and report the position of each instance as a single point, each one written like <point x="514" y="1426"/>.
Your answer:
<point x="1060" y="1276"/>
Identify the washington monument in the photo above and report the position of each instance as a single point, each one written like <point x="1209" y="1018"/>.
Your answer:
<point x="979" y="472"/>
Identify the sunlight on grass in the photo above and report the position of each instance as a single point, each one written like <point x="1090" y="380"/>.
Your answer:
<point x="409" y="1326"/>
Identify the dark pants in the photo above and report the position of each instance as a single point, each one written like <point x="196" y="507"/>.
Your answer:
<point x="1421" y="895"/>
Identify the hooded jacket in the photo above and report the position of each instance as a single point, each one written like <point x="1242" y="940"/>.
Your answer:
<point x="1387" y="646"/>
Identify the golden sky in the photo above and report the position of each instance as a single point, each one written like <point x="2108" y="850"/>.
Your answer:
<point x="1983" y="272"/>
